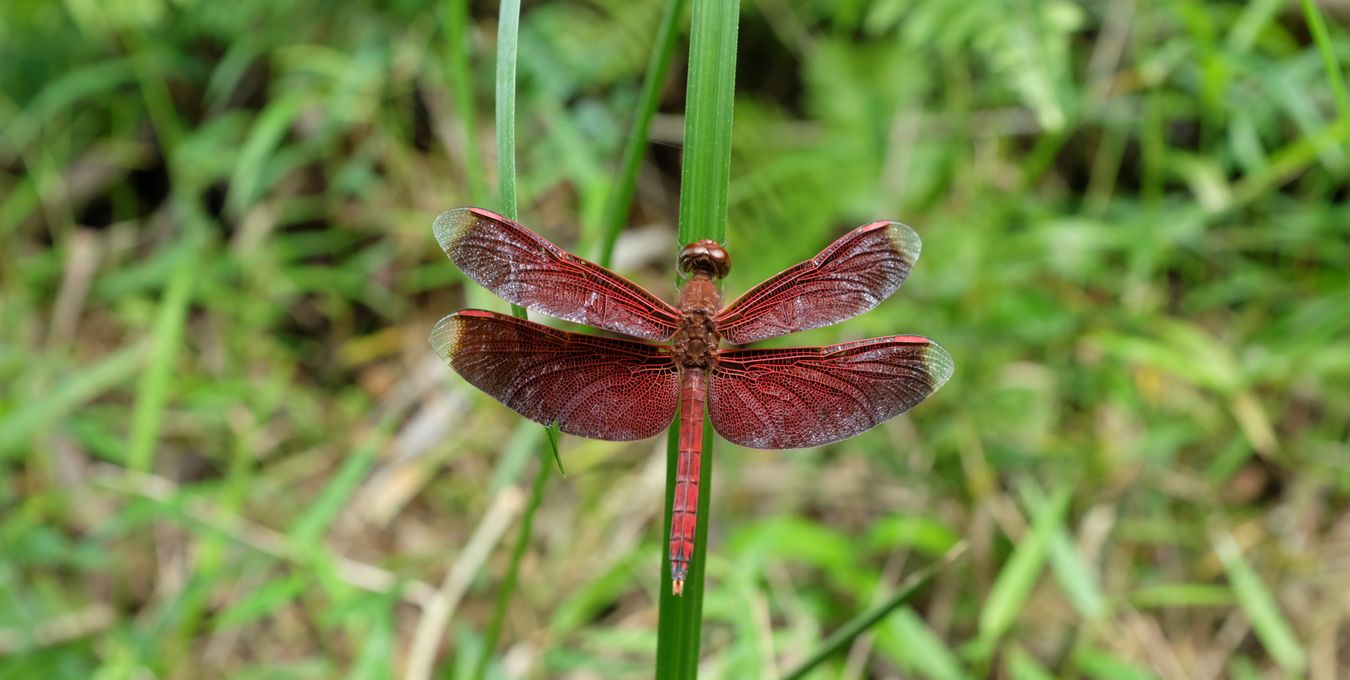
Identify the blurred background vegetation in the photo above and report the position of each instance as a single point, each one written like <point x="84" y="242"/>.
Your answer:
<point x="227" y="450"/>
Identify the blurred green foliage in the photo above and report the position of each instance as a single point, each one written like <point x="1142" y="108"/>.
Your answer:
<point x="225" y="448"/>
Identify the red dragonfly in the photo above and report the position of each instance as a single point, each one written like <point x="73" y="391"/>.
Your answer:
<point x="622" y="390"/>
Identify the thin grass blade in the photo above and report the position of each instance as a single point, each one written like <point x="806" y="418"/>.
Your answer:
<point x="461" y="89"/>
<point x="1256" y="600"/>
<point x="38" y="414"/>
<point x="152" y="394"/>
<point x="508" y="36"/>
<point x="1072" y="572"/>
<point x="1019" y="575"/>
<point x="620" y="198"/>
<point x="1318" y="27"/>
<point x="704" y="183"/>
<point x="508" y="588"/>
<point x="841" y="638"/>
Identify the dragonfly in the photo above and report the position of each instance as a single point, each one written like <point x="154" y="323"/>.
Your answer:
<point x="618" y="389"/>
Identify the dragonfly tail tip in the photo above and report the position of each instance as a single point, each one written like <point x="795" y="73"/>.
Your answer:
<point x="677" y="586"/>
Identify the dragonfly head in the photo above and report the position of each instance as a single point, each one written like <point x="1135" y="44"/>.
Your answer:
<point x="705" y="256"/>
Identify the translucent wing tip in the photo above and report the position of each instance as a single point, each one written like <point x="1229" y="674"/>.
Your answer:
<point x="445" y="336"/>
<point x="451" y="225"/>
<point x="939" y="363"/>
<point x="906" y="241"/>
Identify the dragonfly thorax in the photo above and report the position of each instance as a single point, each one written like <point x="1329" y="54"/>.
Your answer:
<point x="696" y="341"/>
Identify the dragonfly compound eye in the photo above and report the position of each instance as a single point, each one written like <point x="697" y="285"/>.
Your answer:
<point x="706" y="256"/>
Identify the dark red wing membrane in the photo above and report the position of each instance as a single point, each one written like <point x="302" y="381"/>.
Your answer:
<point x="522" y="267"/>
<point x="602" y="388"/>
<point x="810" y="396"/>
<point x="846" y="279"/>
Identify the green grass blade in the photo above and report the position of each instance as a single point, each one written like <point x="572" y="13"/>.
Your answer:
<point x="60" y="95"/>
<point x="79" y="389"/>
<point x="930" y="655"/>
<point x="508" y="31"/>
<point x="1102" y="665"/>
<point x="923" y="652"/>
<point x="1177" y="595"/>
<point x="621" y="195"/>
<point x="374" y="627"/>
<point x="152" y="394"/>
<point x="508" y="588"/>
<point x="263" y="601"/>
<point x="514" y="456"/>
<point x="704" y="182"/>
<point x="554" y="436"/>
<point x="508" y="35"/>
<point x="1071" y="571"/>
<point x="1318" y="27"/>
<point x="841" y="638"/>
<point x="508" y="39"/>
<point x="709" y="100"/>
<point x="1271" y="627"/>
<point x="1019" y="575"/>
<point x="155" y="91"/>
<point x="314" y="523"/>
<point x="265" y="137"/>
<point x="461" y="89"/>
<point x="1287" y="162"/>
<point x="1022" y="666"/>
